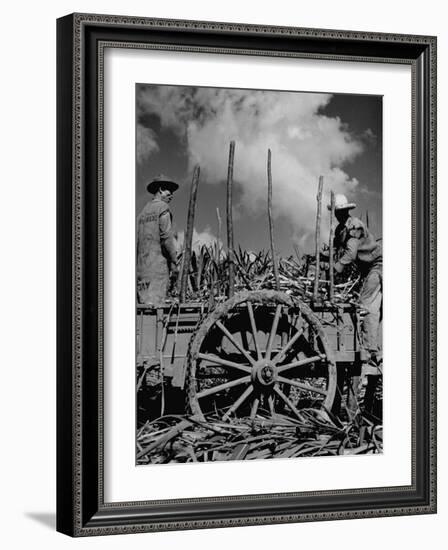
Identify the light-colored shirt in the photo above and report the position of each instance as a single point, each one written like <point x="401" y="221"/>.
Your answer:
<point x="355" y="243"/>
<point x="156" y="247"/>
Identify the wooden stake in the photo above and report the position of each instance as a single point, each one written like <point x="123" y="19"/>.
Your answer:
<point x="189" y="233"/>
<point x="318" y="217"/>
<point x="230" y="220"/>
<point x="330" y="247"/>
<point x="218" y="217"/>
<point x="214" y="276"/>
<point x="271" y="224"/>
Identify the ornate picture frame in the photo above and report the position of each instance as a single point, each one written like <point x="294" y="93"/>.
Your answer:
<point x="81" y="506"/>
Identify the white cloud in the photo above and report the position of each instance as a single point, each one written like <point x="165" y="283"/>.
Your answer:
<point x="304" y="143"/>
<point x="199" y="238"/>
<point x="369" y="136"/>
<point x="146" y="143"/>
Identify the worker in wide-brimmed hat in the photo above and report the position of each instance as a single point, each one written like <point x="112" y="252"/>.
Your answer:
<point x="156" y="246"/>
<point x="354" y="243"/>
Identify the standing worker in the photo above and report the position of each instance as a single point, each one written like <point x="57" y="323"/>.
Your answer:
<point x="353" y="242"/>
<point x="156" y="246"/>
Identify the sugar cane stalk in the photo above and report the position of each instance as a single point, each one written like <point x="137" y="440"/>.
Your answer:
<point x="271" y="224"/>
<point x="218" y="217"/>
<point x="189" y="233"/>
<point x="230" y="220"/>
<point x="330" y="247"/>
<point x="318" y="218"/>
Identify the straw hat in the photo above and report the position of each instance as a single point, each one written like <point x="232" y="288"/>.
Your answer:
<point x="341" y="203"/>
<point x="159" y="180"/>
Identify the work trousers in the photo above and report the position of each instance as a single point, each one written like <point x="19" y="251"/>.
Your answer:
<point x="153" y="292"/>
<point x="371" y="302"/>
<point x="152" y="285"/>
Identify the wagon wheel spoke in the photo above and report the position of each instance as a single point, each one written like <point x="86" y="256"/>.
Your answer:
<point x="281" y="354"/>
<point x="239" y="402"/>
<point x="301" y="363"/>
<point x="273" y="332"/>
<point x="235" y="342"/>
<point x="282" y="396"/>
<point x="223" y="362"/>
<point x="301" y="385"/>
<point x="271" y="405"/>
<point x="224" y="386"/>
<point x="244" y="339"/>
<point x="254" y="328"/>
<point x="254" y="409"/>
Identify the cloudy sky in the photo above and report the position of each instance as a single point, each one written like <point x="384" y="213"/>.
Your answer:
<point x="310" y="134"/>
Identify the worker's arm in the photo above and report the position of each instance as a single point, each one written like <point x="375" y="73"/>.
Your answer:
<point x="167" y="237"/>
<point x="348" y="256"/>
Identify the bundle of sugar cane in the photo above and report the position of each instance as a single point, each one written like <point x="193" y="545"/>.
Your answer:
<point x="207" y="279"/>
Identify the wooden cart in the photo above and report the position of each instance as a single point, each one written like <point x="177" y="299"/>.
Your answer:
<point x="263" y="350"/>
<point x="257" y="350"/>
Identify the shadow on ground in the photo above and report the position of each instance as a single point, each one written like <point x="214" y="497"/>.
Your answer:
<point x="48" y="519"/>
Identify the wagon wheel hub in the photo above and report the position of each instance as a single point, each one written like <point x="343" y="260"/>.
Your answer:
<point x="264" y="372"/>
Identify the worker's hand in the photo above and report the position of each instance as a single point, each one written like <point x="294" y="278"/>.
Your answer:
<point x="173" y="279"/>
<point x="324" y="265"/>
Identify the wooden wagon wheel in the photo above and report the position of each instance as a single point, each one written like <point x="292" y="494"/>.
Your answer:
<point x="260" y="352"/>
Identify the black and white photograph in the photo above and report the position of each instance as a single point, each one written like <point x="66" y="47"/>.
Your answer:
<point x="214" y="354"/>
<point x="259" y="274"/>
